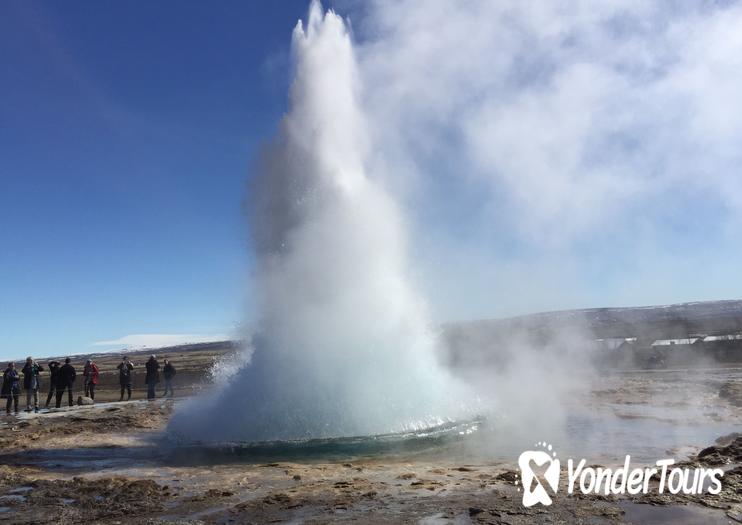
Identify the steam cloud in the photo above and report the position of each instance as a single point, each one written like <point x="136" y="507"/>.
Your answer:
<point x="344" y="345"/>
<point x="546" y="147"/>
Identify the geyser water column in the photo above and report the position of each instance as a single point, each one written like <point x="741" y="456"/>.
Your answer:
<point x="344" y="346"/>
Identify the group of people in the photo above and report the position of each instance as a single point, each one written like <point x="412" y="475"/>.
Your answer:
<point x="62" y="378"/>
<point x="151" y="378"/>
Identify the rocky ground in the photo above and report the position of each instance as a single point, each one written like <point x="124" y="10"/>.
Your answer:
<point x="111" y="464"/>
<point x="81" y="426"/>
<point x="360" y="492"/>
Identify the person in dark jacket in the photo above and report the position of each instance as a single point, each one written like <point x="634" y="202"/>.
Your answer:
<point x="65" y="380"/>
<point x="168" y="372"/>
<point x="31" y="383"/>
<point x="53" y="374"/>
<point x="125" y="368"/>
<point x="152" y="377"/>
<point x="11" y="387"/>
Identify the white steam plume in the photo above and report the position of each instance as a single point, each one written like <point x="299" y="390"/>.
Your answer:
<point x="548" y="146"/>
<point x="344" y="345"/>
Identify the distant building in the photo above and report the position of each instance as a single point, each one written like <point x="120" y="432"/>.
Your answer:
<point x="678" y="352"/>
<point x="724" y="348"/>
<point x="627" y="344"/>
<point x="611" y="344"/>
<point x="722" y="338"/>
<point x="677" y="342"/>
<point x="613" y="352"/>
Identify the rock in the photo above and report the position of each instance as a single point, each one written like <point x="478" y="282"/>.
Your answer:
<point x="216" y="493"/>
<point x="278" y="498"/>
<point x="82" y="400"/>
<point x="473" y="511"/>
<point x="425" y="484"/>
<point x="719" y="455"/>
<point x="297" y="477"/>
<point x="727" y="439"/>
<point x="508" y="475"/>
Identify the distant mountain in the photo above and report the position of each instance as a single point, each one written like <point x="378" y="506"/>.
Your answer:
<point x="217" y="347"/>
<point x="645" y="322"/>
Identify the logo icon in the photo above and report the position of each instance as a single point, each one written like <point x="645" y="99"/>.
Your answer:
<point x="539" y="471"/>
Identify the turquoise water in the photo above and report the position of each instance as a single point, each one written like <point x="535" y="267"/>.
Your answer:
<point x="450" y="436"/>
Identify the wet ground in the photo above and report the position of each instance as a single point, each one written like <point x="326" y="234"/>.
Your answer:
<point x="113" y="463"/>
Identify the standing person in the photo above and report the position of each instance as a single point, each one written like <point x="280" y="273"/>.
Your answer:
<point x="153" y="376"/>
<point x="65" y="380"/>
<point x="125" y="367"/>
<point x="86" y="373"/>
<point x="53" y="375"/>
<point x="31" y="383"/>
<point x="92" y="379"/>
<point x="11" y="387"/>
<point x="168" y="372"/>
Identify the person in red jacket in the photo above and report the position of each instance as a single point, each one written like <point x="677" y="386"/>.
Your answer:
<point x="91" y="374"/>
<point x="86" y="377"/>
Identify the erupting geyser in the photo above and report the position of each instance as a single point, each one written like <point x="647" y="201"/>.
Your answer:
<point x="344" y="345"/>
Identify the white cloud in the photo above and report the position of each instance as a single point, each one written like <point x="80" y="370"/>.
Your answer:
<point x="139" y="341"/>
<point x="569" y="113"/>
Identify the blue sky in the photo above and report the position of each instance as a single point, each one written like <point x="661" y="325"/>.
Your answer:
<point x="544" y="157"/>
<point x="126" y="138"/>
